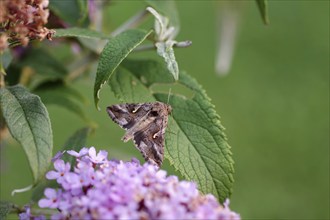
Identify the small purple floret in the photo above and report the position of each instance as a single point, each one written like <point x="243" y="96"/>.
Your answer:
<point x="81" y="153"/>
<point x="58" y="156"/>
<point x="61" y="168"/>
<point x="26" y="215"/>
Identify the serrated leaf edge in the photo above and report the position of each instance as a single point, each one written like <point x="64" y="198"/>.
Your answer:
<point x="96" y="100"/>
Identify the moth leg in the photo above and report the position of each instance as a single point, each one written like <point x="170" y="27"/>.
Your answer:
<point x="128" y="136"/>
<point x="157" y="134"/>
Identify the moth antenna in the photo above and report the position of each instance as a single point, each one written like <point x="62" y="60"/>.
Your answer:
<point x="168" y="100"/>
<point x="169" y="94"/>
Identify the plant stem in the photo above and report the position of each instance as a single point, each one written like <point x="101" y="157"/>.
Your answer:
<point x="79" y="66"/>
<point x="131" y="23"/>
<point x="181" y="44"/>
<point x="2" y="80"/>
<point x="2" y="72"/>
<point x="37" y="211"/>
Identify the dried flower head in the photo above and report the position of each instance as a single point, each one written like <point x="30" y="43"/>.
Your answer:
<point x="22" y="21"/>
<point x="96" y="188"/>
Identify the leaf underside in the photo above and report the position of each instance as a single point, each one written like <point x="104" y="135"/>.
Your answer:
<point x="28" y="122"/>
<point x="195" y="141"/>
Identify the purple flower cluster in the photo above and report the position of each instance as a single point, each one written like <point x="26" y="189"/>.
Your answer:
<point x="97" y="188"/>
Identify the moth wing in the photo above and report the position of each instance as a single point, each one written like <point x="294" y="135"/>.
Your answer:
<point x="150" y="141"/>
<point x="127" y="115"/>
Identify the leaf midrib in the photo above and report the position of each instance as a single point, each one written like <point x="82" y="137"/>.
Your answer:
<point x="29" y="125"/>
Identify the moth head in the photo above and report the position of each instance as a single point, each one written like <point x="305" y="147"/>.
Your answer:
<point x="168" y="108"/>
<point x="160" y="108"/>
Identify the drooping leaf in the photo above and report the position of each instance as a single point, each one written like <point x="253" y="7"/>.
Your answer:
<point x="114" y="52"/>
<point x="79" y="32"/>
<point x="263" y="9"/>
<point x="28" y="122"/>
<point x="195" y="141"/>
<point x="5" y="209"/>
<point x="62" y="95"/>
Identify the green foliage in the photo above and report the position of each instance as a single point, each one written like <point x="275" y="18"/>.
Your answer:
<point x="43" y="63"/>
<point x="43" y="67"/>
<point x="76" y="142"/>
<point x="74" y="12"/>
<point x="166" y="51"/>
<point x="5" y="59"/>
<point x="38" y="190"/>
<point x="114" y="52"/>
<point x="263" y="9"/>
<point x="165" y="33"/>
<point x="62" y="95"/>
<point x="28" y="122"/>
<point x="79" y="32"/>
<point x="5" y="209"/>
<point x="168" y="9"/>
<point x="195" y="143"/>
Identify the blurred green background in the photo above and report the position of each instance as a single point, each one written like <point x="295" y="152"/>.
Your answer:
<point x="274" y="104"/>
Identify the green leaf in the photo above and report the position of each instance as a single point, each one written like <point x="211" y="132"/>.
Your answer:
<point x="83" y="8"/>
<point x="62" y="95"/>
<point x="42" y="66"/>
<point x="71" y="12"/>
<point x="114" y="52"/>
<point x="5" y="209"/>
<point x="195" y="141"/>
<point x="91" y="39"/>
<point x="79" y="32"/>
<point x="44" y="63"/>
<point x="150" y="71"/>
<point x="165" y="50"/>
<point x="36" y="67"/>
<point x="5" y="60"/>
<point x="263" y="9"/>
<point x="76" y="142"/>
<point x="28" y="122"/>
